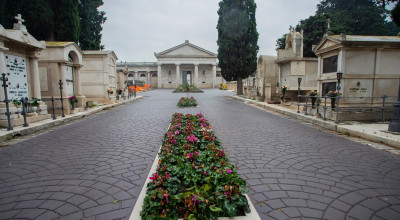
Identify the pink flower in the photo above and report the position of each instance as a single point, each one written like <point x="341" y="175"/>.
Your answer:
<point x="221" y="171"/>
<point x="196" y="153"/>
<point x="205" y="173"/>
<point x="176" y="132"/>
<point x="196" y="167"/>
<point x="165" y="196"/>
<point x="221" y="153"/>
<point x="154" y="177"/>
<point x="229" y="170"/>
<point x="167" y="175"/>
<point x="174" y="142"/>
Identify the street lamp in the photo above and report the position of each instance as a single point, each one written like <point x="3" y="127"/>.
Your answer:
<point x="298" y="94"/>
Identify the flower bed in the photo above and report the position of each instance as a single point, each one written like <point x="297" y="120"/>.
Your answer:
<point x="186" y="87"/>
<point x="194" y="179"/>
<point x="187" y="102"/>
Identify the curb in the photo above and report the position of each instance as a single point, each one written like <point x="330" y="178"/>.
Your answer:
<point x="325" y="124"/>
<point x="40" y="125"/>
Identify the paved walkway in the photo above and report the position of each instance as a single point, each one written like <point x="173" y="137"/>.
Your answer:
<point x="94" y="168"/>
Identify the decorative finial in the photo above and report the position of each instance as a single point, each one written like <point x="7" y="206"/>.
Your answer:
<point x="186" y="41"/>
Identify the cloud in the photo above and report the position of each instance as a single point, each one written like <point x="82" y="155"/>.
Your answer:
<point x="135" y="29"/>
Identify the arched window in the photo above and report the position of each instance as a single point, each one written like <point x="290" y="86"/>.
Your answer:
<point x="130" y="75"/>
<point x="70" y="58"/>
<point x="142" y="75"/>
<point x="154" y="75"/>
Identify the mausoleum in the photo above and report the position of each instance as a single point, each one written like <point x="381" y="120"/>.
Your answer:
<point x="62" y="61"/>
<point x="370" y="67"/>
<point x="19" y="53"/>
<point x="185" y="63"/>
<point x="99" y="76"/>
<point x="292" y="65"/>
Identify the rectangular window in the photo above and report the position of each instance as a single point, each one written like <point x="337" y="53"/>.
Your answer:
<point x="326" y="87"/>
<point x="330" y="64"/>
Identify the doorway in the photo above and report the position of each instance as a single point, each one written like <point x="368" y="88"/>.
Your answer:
<point x="187" y="77"/>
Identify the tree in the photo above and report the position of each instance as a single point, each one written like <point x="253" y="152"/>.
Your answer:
<point x="237" y="40"/>
<point x="357" y="17"/>
<point x="281" y="42"/>
<point x="67" y="22"/>
<point x="58" y="20"/>
<point x="38" y="16"/>
<point x="91" y="21"/>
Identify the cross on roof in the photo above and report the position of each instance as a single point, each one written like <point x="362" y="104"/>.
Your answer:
<point x="329" y="24"/>
<point x="19" y="19"/>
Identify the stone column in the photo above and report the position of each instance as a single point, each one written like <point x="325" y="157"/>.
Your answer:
<point x="196" y="75"/>
<point x="178" y="77"/>
<point x="78" y="86"/>
<point x="2" y="70"/>
<point x="148" y="78"/>
<point x="159" y="72"/>
<point x="214" y="75"/>
<point x="136" y="75"/>
<point x="35" y="76"/>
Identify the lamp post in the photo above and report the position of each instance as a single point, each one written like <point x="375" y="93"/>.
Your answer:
<point x="395" y="124"/>
<point x="298" y="94"/>
<point x="339" y="76"/>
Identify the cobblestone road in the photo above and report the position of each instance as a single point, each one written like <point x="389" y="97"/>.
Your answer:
<point x="95" y="168"/>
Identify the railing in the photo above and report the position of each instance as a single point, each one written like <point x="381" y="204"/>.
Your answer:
<point x="370" y="103"/>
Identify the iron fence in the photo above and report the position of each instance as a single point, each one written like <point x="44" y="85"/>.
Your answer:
<point x="358" y="104"/>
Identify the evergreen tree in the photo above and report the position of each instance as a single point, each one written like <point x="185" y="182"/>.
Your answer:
<point x="356" y="17"/>
<point x="237" y="40"/>
<point x="91" y="21"/>
<point x="281" y="42"/>
<point x="38" y="16"/>
<point x="67" y="22"/>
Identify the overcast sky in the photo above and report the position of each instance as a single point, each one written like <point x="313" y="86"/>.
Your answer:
<point x="135" y="29"/>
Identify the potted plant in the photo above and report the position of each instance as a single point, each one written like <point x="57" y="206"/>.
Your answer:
<point x="119" y="92"/>
<point x="110" y="92"/>
<point x="17" y="103"/>
<point x="35" y="102"/>
<point x="313" y="95"/>
<point x="283" y="89"/>
<point x="73" y="101"/>
<point x="333" y="95"/>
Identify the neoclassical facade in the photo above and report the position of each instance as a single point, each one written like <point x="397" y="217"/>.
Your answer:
<point x="183" y="63"/>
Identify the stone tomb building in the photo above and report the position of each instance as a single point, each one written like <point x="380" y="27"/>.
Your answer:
<point x="370" y="67"/>
<point x="19" y="53"/>
<point x="267" y="79"/>
<point x="293" y="65"/>
<point x="98" y="75"/>
<point x="62" y="61"/>
<point x="183" y="63"/>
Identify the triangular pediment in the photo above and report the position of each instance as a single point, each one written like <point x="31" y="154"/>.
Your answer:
<point x="327" y="42"/>
<point x="186" y="50"/>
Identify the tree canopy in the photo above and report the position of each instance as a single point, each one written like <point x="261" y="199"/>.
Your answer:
<point x="356" y="17"/>
<point x="237" y="40"/>
<point x="58" y="20"/>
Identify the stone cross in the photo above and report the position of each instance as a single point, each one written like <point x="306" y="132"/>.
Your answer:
<point x="19" y="19"/>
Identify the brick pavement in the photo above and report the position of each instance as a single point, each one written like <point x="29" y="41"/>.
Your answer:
<point x="293" y="171"/>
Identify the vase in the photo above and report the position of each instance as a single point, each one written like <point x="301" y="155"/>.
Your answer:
<point x="117" y="97"/>
<point x="313" y="99"/>
<point x="19" y="110"/>
<point x="333" y="102"/>
<point x="34" y="108"/>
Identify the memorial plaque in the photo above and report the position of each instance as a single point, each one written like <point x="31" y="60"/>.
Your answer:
<point x="69" y="77"/>
<point x="358" y="92"/>
<point x="17" y="77"/>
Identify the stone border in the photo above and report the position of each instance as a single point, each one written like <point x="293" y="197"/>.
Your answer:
<point x="135" y="215"/>
<point x="330" y="125"/>
<point x="40" y="125"/>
